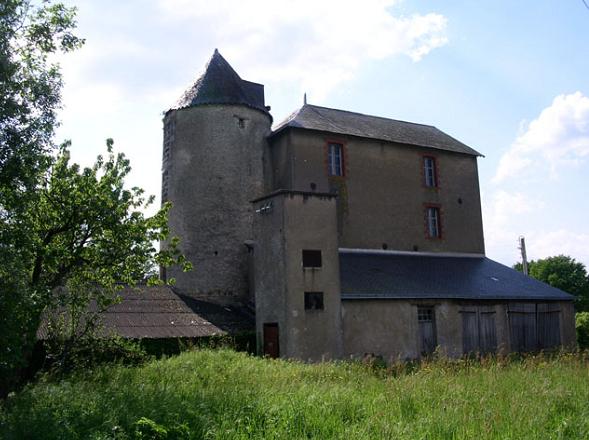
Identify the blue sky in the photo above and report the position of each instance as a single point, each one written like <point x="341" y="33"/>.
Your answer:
<point x="510" y="79"/>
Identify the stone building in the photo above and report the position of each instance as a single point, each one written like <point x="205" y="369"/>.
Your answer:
<point x="349" y="234"/>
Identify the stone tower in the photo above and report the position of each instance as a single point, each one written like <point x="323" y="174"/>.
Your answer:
<point x="214" y="155"/>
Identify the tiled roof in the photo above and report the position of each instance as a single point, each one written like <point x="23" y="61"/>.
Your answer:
<point x="220" y="84"/>
<point x="312" y="117"/>
<point x="159" y="312"/>
<point x="366" y="275"/>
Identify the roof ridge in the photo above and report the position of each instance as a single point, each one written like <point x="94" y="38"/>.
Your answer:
<point x="286" y="120"/>
<point x="371" y="116"/>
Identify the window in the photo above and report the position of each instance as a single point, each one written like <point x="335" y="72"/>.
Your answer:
<point x="433" y="222"/>
<point x="311" y="258"/>
<point x="335" y="159"/>
<point x="313" y="300"/>
<point x="169" y="137"/>
<point x="429" y="171"/>
<point x="164" y="186"/>
<point x="427" y="329"/>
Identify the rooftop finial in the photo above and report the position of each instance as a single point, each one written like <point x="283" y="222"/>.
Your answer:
<point x="305" y="98"/>
<point x="216" y="50"/>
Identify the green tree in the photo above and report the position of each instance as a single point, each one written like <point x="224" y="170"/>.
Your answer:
<point x="68" y="235"/>
<point x="565" y="273"/>
<point x="91" y="237"/>
<point x="30" y="87"/>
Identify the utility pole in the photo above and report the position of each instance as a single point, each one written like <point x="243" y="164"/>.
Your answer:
<point x="522" y="248"/>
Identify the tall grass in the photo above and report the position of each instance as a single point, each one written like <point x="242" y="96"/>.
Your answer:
<point x="227" y="395"/>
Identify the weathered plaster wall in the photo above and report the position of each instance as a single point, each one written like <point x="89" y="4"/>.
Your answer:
<point x="382" y="194"/>
<point x="280" y="152"/>
<point x="389" y="328"/>
<point x="298" y="222"/>
<point x="311" y="223"/>
<point x="269" y="271"/>
<point x="215" y="168"/>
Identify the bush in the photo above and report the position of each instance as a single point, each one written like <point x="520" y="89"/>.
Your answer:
<point x="93" y="351"/>
<point x="582" y="325"/>
<point x="147" y="429"/>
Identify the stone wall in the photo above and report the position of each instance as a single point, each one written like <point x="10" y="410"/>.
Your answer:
<point x="213" y="168"/>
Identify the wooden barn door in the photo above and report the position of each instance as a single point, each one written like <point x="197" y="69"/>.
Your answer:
<point x="534" y="326"/>
<point x="478" y="330"/>
<point x="522" y="322"/>
<point x="488" y="336"/>
<point x="548" y="326"/>
<point x="271" y="338"/>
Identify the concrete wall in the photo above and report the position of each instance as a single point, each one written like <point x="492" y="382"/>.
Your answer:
<point x="390" y="328"/>
<point x="268" y="270"/>
<point x="381" y="196"/>
<point x="296" y="222"/>
<point x="214" y="169"/>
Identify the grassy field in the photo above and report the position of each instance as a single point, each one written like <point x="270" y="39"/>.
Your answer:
<point x="226" y="395"/>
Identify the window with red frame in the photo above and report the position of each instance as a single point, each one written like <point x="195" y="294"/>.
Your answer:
<point x="335" y="160"/>
<point x="433" y="222"/>
<point x="429" y="171"/>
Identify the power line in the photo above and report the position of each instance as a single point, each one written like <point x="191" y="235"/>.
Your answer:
<point x="585" y="3"/>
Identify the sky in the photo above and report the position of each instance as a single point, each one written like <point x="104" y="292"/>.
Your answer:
<point x="510" y="79"/>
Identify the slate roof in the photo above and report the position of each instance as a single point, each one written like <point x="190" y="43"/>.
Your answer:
<point x="313" y="117"/>
<point x="405" y="276"/>
<point x="220" y="84"/>
<point x="159" y="312"/>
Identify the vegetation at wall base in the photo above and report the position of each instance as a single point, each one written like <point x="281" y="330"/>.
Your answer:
<point x="222" y="394"/>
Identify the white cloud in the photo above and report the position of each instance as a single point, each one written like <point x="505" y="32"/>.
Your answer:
<point x="558" y="138"/>
<point x="503" y="206"/>
<point x="509" y="215"/>
<point x="505" y="219"/>
<point x="542" y="244"/>
<point x="310" y="45"/>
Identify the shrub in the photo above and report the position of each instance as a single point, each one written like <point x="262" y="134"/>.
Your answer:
<point x="93" y="351"/>
<point x="147" y="429"/>
<point x="582" y="325"/>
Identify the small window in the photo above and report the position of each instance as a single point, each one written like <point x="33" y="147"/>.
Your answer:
<point x="164" y="186"/>
<point x="169" y="137"/>
<point x="429" y="171"/>
<point x="433" y="222"/>
<point x="311" y="258"/>
<point x="335" y="159"/>
<point x="425" y="314"/>
<point x="313" y="300"/>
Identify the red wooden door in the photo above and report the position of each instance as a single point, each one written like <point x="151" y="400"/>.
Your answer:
<point x="271" y="348"/>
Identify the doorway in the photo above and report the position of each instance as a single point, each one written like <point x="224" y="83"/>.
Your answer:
<point x="271" y="338"/>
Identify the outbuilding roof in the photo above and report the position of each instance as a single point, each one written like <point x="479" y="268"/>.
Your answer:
<point x="160" y="312"/>
<point x="220" y="84"/>
<point x="313" y="117"/>
<point x="390" y="275"/>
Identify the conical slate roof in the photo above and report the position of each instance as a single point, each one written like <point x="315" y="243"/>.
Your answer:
<point x="220" y="84"/>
